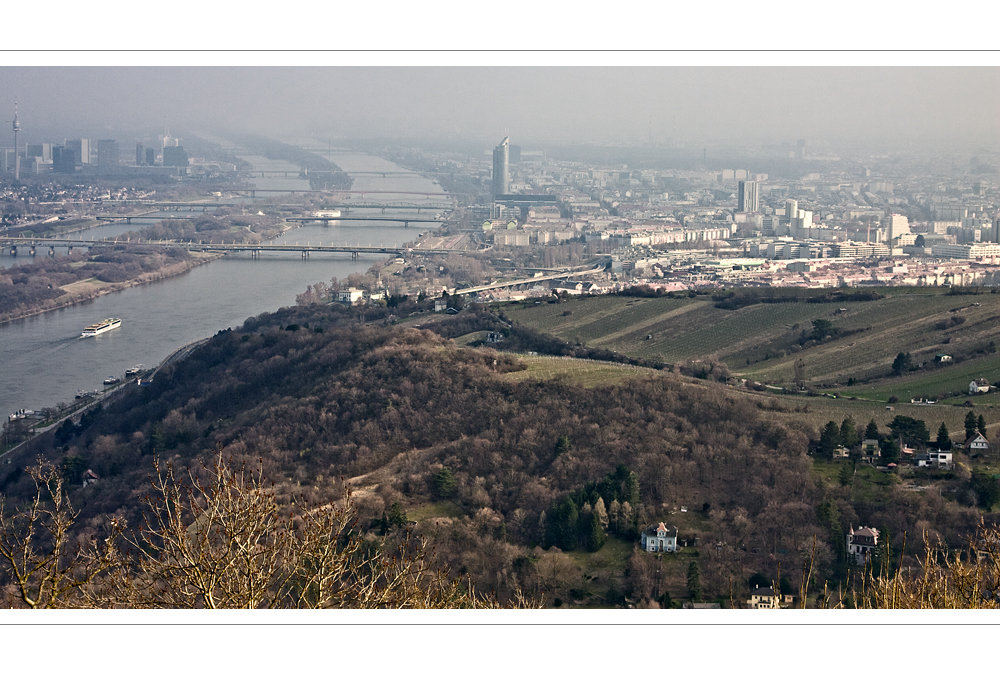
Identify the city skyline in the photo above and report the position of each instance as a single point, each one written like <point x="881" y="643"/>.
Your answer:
<point x="908" y="107"/>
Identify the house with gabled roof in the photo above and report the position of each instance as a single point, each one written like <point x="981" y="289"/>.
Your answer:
<point x="979" y="386"/>
<point x="861" y="543"/>
<point x="977" y="443"/>
<point x="659" y="539"/>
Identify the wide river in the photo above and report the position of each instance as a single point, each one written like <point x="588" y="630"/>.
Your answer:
<point x="43" y="359"/>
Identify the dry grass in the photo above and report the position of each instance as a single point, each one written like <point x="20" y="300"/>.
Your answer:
<point x="579" y="371"/>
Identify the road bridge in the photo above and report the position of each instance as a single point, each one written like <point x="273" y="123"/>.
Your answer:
<point x="253" y="192"/>
<point x="510" y="283"/>
<point x="143" y="216"/>
<point x="255" y="249"/>
<point x="406" y="220"/>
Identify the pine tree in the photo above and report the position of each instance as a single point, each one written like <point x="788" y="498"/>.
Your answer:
<point x="444" y="483"/>
<point x="632" y="489"/>
<point x="596" y="536"/>
<point x="970" y="424"/>
<point x="981" y="425"/>
<point x="829" y="438"/>
<point x="848" y="433"/>
<point x="871" y="431"/>
<point x="943" y="440"/>
<point x="694" y="581"/>
<point x="846" y="475"/>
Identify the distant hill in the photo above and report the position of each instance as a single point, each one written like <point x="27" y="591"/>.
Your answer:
<point x="506" y="474"/>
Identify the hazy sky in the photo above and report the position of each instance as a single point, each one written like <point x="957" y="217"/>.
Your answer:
<point x="537" y="105"/>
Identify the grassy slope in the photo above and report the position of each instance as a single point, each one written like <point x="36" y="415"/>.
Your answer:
<point x="766" y="336"/>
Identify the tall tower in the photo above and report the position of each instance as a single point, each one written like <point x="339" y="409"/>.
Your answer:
<point x="748" y="200"/>
<point x="17" y="157"/>
<point x="501" y="168"/>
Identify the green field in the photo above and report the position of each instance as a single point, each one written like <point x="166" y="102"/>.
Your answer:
<point x="761" y="341"/>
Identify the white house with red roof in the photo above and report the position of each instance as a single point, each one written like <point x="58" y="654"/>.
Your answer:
<point x="659" y="539"/>
<point x="861" y="543"/>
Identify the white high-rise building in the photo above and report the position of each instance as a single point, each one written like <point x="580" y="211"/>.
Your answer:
<point x="896" y="225"/>
<point x="501" y="168"/>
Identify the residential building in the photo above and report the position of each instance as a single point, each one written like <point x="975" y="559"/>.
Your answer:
<point x="748" y="200"/>
<point x="979" y="386"/>
<point x="765" y="598"/>
<point x="659" y="539"/>
<point x="977" y="443"/>
<point x="861" y="543"/>
<point x="870" y="450"/>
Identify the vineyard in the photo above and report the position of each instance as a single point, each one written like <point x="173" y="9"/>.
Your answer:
<point x="764" y="341"/>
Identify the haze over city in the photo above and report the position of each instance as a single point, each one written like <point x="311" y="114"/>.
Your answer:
<point x="939" y="107"/>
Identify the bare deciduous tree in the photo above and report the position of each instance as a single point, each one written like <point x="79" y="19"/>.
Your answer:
<point x="223" y="540"/>
<point x="35" y="547"/>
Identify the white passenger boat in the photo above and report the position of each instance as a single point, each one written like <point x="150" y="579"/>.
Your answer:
<point x="101" y="327"/>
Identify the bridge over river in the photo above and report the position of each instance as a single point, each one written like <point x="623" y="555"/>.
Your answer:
<point x="34" y="243"/>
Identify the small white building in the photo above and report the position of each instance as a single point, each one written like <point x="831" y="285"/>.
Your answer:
<point x="861" y="543"/>
<point x="659" y="539"/>
<point x="764" y="598"/>
<point x="351" y="295"/>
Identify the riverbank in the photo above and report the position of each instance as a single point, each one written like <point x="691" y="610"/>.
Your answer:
<point x="82" y="291"/>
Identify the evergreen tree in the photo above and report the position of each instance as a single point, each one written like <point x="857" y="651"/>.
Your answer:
<point x="396" y="517"/>
<point x="829" y="438"/>
<point x="563" y="445"/>
<point x="943" y="440"/>
<point x="444" y="483"/>
<point x="890" y="449"/>
<point x="694" y="581"/>
<point x="846" y="475"/>
<point x="903" y="363"/>
<point x="981" y="425"/>
<point x="970" y="424"/>
<point x="849" y="433"/>
<point x="596" y="536"/>
<point x="871" y="431"/>
<point x="912" y="430"/>
<point x="632" y="490"/>
<point x="562" y="524"/>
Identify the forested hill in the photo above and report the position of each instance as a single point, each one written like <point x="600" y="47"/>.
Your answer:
<point x="494" y="470"/>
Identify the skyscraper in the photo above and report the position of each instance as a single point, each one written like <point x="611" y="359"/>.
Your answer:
<point x="501" y="168"/>
<point x="140" y="156"/>
<point x="747" y="197"/>
<point x="82" y="148"/>
<point x="107" y="156"/>
<point x="63" y="159"/>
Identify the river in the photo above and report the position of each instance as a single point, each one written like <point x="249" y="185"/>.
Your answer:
<point x="44" y="360"/>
